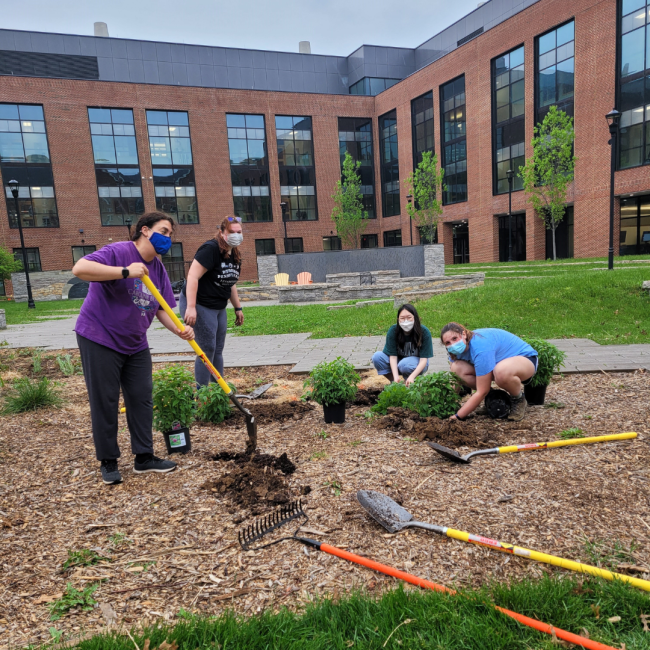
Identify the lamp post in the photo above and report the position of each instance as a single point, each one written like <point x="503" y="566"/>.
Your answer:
<point x="283" y="205"/>
<point x="613" y="118"/>
<point x="409" y="198"/>
<point x="510" y="175"/>
<point x="13" y="186"/>
<point x="127" y="222"/>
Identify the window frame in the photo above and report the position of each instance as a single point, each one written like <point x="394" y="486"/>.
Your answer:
<point x="384" y="166"/>
<point x="332" y="239"/>
<point x="293" y="240"/>
<point x="394" y="233"/>
<point x="414" y="138"/>
<point x="83" y="246"/>
<point x="264" y="254"/>
<point x="28" y="250"/>
<point x="368" y="236"/>
<point x="453" y="141"/>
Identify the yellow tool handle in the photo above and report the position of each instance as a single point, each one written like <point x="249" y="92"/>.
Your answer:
<point x="177" y="321"/>
<point x="544" y="557"/>
<point x="566" y="443"/>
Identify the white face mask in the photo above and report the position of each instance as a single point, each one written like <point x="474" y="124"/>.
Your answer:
<point x="234" y="239"/>
<point x="407" y="325"/>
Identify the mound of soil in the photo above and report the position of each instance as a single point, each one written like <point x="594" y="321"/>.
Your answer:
<point x="366" y="396"/>
<point x="281" y="463"/>
<point x="273" y="412"/>
<point x="399" y="419"/>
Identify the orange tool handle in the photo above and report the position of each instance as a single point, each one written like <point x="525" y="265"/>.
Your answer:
<point x="426" y="584"/>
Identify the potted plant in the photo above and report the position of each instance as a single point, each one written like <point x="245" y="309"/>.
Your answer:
<point x="212" y="404"/>
<point x="332" y="384"/>
<point x="174" y="388"/>
<point x="550" y="361"/>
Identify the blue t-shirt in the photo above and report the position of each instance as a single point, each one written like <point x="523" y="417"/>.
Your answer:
<point x="489" y="346"/>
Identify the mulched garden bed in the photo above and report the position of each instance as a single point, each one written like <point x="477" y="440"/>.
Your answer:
<point x="171" y="540"/>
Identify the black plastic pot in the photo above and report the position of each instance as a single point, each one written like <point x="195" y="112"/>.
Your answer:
<point x="178" y="441"/>
<point x="498" y="404"/>
<point x="535" y="394"/>
<point x="334" y="413"/>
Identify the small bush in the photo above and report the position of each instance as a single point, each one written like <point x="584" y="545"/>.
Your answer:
<point x="213" y="405"/>
<point x="333" y="382"/>
<point x="30" y="395"/>
<point x="434" y="394"/>
<point x="550" y="360"/>
<point x="73" y="598"/>
<point x="395" y="394"/>
<point x="174" y="388"/>
<point x="567" y="434"/>
<point x="66" y="366"/>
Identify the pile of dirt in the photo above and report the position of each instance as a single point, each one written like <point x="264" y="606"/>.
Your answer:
<point x="266" y="413"/>
<point x="399" y="419"/>
<point x="281" y="463"/>
<point x="366" y="396"/>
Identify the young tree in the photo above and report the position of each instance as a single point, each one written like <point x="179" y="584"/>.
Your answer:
<point x="348" y="213"/>
<point x="426" y="185"/>
<point x="548" y="173"/>
<point x="8" y="264"/>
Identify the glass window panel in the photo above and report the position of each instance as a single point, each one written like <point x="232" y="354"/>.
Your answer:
<point x="565" y="51"/>
<point x="256" y="152"/>
<point x="238" y="151"/>
<point x="238" y="121"/>
<point x="32" y="127"/>
<point x="565" y="79"/>
<point x="178" y="118"/>
<point x="633" y="21"/>
<point x="518" y="108"/>
<point x="9" y="112"/>
<point x="517" y="91"/>
<point x="36" y="150"/>
<point x="632" y="5"/>
<point x="96" y="129"/>
<point x="546" y="60"/>
<point x="126" y="149"/>
<point x="99" y="115"/>
<point x="181" y="151"/>
<point x="503" y="96"/>
<point x="122" y="116"/>
<point x="283" y="122"/>
<point x="377" y="86"/>
<point x="517" y="57"/>
<point x="517" y="74"/>
<point x="632" y="52"/>
<point x="104" y="149"/>
<point x="547" y="86"/>
<point x="632" y="94"/>
<point x="503" y="113"/>
<point x="565" y="33"/>
<point x="11" y="147"/>
<point x="156" y="117"/>
<point x="255" y="122"/>
<point x="547" y="42"/>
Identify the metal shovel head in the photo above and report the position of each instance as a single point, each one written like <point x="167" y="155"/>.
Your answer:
<point x="449" y="454"/>
<point x="384" y="510"/>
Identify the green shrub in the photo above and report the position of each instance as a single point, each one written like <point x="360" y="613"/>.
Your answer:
<point x="66" y="366"/>
<point x="37" y="361"/>
<point x="550" y="360"/>
<point x="434" y="394"/>
<point x="574" y="432"/>
<point x="395" y="394"/>
<point x="173" y="397"/>
<point x="73" y="598"/>
<point x="213" y="405"/>
<point x="29" y="395"/>
<point x="333" y="382"/>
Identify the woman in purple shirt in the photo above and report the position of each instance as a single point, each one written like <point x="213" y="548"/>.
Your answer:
<point x="112" y="337"/>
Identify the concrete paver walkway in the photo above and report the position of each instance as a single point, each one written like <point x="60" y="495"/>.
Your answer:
<point x="303" y="353"/>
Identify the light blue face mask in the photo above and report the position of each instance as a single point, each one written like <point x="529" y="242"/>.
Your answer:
<point x="457" y="348"/>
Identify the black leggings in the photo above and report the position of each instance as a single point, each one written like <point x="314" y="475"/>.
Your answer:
<point x="105" y="371"/>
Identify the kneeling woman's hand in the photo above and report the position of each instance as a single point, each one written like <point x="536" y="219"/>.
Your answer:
<point x="410" y="379"/>
<point x="187" y="334"/>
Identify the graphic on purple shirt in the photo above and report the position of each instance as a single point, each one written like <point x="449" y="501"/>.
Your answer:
<point x="118" y="313"/>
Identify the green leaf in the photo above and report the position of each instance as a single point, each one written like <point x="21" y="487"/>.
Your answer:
<point x="174" y="388"/>
<point x="333" y="382"/>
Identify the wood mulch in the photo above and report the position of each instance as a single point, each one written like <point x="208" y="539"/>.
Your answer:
<point x="171" y="540"/>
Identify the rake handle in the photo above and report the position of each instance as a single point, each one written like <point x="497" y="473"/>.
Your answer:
<point x="427" y="584"/>
<point x="565" y="443"/>
<point x="561" y="562"/>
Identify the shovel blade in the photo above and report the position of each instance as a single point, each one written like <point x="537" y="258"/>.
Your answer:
<point x="251" y="429"/>
<point x="449" y="454"/>
<point x="384" y="510"/>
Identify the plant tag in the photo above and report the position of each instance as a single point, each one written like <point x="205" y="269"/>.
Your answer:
<point x="177" y="440"/>
<point x="176" y="426"/>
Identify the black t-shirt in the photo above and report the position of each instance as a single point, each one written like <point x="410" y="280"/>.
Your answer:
<point x="216" y="283"/>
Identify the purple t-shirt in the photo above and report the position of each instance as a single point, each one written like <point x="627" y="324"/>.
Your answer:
<point x="118" y="313"/>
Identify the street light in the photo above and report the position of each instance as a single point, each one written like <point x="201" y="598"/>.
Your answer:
<point x="409" y="198"/>
<point x="510" y="175"/>
<point x="127" y="222"/>
<point x="13" y="186"/>
<point x="283" y="205"/>
<point x="613" y="118"/>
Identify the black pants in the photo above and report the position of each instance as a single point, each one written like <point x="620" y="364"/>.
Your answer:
<point x="105" y="371"/>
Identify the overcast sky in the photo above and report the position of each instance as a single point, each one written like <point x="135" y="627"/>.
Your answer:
<point x="332" y="26"/>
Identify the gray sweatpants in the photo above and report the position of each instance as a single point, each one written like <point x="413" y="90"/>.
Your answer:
<point x="210" y="334"/>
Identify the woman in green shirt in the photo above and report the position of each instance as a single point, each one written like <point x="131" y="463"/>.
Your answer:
<point x="407" y="350"/>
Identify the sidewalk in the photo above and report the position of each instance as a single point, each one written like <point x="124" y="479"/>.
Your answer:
<point x="303" y="353"/>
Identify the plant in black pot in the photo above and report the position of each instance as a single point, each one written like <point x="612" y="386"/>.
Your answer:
<point x="213" y="405"/>
<point x="174" y="390"/>
<point x="333" y="384"/>
<point x="550" y="361"/>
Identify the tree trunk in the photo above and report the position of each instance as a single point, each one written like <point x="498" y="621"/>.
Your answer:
<point x="553" y="226"/>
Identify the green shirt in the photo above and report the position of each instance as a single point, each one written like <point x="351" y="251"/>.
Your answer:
<point x="408" y="350"/>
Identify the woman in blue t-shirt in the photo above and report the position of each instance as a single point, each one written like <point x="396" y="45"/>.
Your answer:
<point x="478" y="357"/>
<point x="407" y="350"/>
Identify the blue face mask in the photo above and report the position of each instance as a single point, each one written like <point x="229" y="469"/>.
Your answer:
<point x="457" y="348"/>
<point x="161" y="243"/>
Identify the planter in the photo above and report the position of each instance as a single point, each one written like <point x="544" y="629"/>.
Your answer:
<point x="334" y="413"/>
<point x="497" y="404"/>
<point x="535" y="394"/>
<point x="178" y="440"/>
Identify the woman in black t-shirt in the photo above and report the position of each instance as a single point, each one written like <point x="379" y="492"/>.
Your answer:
<point x="211" y="282"/>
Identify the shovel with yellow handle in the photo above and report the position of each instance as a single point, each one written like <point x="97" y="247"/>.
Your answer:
<point x="454" y="456"/>
<point x="251" y="424"/>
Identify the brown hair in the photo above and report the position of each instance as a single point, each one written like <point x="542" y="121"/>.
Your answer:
<point x="150" y="219"/>
<point x="458" y="329"/>
<point x="223" y="246"/>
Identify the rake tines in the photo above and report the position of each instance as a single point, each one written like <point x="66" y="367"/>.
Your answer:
<point x="265" y="525"/>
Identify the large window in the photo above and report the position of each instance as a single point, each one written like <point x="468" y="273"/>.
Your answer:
<point x="371" y="85"/>
<point x="509" y="121"/>
<point x="117" y="168"/>
<point x="332" y="243"/>
<point x="392" y="238"/>
<point x="555" y="71"/>
<point x="635" y="226"/>
<point x="355" y="138"/>
<point x="369" y="241"/>
<point x="174" y="262"/>
<point x="460" y="240"/>
<point x="563" y="237"/>
<point x="249" y="167"/>
<point x="293" y="245"/>
<point x="454" y="150"/>
<point x="634" y="84"/>
<point x="25" y="157"/>
<point x="171" y="159"/>
<point x="265" y="246"/>
<point x="296" y="162"/>
<point x="422" y="125"/>
<point x="81" y="251"/>
<point x="33" y="256"/>
<point x="518" y="238"/>
<point x="389" y="164"/>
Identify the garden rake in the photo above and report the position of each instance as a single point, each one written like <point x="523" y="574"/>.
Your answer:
<point x="394" y="518"/>
<point x="454" y="456"/>
<point x="251" y="424"/>
<point x="293" y="511"/>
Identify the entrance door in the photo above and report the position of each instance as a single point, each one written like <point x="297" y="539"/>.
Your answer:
<point x="461" y="244"/>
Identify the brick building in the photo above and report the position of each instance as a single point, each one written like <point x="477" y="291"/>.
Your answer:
<point x="98" y="130"/>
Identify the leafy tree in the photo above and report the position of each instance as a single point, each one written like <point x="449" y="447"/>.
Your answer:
<point x="8" y="264"/>
<point x="548" y="173"/>
<point x="348" y="213"/>
<point x="426" y="185"/>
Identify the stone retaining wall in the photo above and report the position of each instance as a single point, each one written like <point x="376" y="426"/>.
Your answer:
<point x="46" y="285"/>
<point x="247" y="294"/>
<point x="267" y="268"/>
<point x="362" y="278"/>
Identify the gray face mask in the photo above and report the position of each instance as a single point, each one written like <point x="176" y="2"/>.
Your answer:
<point x="234" y="239"/>
<point x="407" y="325"/>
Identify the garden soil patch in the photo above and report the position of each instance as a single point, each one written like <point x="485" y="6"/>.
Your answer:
<point x="281" y="463"/>
<point x="266" y="412"/>
<point x="171" y="545"/>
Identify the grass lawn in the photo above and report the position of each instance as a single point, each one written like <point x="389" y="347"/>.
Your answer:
<point x="18" y="312"/>
<point x="419" y="619"/>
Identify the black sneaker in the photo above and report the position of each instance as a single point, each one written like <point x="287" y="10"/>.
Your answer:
<point x="110" y="473"/>
<point x="153" y="464"/>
